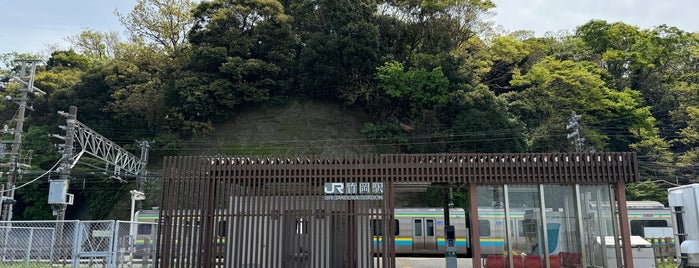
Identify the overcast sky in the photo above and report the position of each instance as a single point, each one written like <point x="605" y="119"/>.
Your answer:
<point x="30" y="26"/>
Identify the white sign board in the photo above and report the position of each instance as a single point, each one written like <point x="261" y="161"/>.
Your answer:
<point x="658" y="232"/>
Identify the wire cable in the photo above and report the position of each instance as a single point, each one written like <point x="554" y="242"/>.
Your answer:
<point x="33" y="180"/>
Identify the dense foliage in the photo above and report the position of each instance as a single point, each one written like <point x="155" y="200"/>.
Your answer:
<point x="432" y="76"/>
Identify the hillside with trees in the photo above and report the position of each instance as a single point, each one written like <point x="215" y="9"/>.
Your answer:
<point x="391" y="77"/>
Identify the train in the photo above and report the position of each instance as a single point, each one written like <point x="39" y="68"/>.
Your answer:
<point x="420" y="231"/>
<point x="644" y="214"/>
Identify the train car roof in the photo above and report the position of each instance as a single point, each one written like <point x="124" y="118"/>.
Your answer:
<point x="148" y="212"/>
<point x="644" y="205"/>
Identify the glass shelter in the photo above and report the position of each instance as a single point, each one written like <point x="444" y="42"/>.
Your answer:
<point x="548" y="225"/>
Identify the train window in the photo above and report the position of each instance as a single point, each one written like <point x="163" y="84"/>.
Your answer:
<point x="377" y="227"/>
<point x="638" y="225"/>
<point x="222" y="228"/>
<point x="484" y="228"/>
<point x="397" y="232"/>
<point x="429" y="226"/>
<point x="417" y="227"/>
<point x="144" y="228"/>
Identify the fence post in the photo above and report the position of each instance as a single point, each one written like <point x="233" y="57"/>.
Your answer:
<point x="114" y="244"/>
<point x="29" y="248"/>
<point x="77" y="238"/>
<point x="112" y="241"/>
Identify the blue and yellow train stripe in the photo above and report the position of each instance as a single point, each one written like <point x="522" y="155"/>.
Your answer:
<point x="500" y="215"/>
<point x="492" y="242"/>
<point x="435" y="214"/>
<point x="141" y="242"/>
<point x="650" y="215"/>
<point x="408" y="241"/>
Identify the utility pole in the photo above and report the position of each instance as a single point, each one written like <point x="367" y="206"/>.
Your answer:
<point x="141" y="179"/>
<point x="59" y="198"/>
<point x="26" y="86"/>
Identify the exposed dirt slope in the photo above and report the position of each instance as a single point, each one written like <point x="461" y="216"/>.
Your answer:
<point x="299" y="128"/>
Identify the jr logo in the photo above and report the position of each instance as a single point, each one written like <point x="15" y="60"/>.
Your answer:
<point x="334" y="188"/>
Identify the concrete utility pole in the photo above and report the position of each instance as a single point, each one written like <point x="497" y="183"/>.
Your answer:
<point x="58" y="191"/>
<point x="26" y="86"/>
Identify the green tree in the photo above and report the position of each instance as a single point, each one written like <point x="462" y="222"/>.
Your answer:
<point x="241" y="54"/>
<point x="165" y="23"/>
<point x="440" y="34"/>
<point x="476" y="121"/>
<point x="649" y="61"/>
<point x="143" y="75"/>
<point x="339" y="49"/>
<point x="506" y="55"/>
<point x="68" y="60"/>
<point x="137" y="81"/>
<point x="554" y="89"/>
<point x="646" y="191"/>
<point x="687" y="144"/>
<point x="404" y="94"/>
<point x="660" y="64"/>
<point x="96" y="45"/>
<point x="90" y="95"/>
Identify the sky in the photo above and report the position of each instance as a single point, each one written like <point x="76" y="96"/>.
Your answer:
<point x="31" y="26"/>
<point x="543" y="16"/>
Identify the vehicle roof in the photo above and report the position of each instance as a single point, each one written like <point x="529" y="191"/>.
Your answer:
<point x="644" y="204"/>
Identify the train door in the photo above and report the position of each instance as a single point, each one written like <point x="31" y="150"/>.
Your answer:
<point x="424" y="235"/>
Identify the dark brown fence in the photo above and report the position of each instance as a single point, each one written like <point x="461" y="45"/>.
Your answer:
<point x="315" y="212"/>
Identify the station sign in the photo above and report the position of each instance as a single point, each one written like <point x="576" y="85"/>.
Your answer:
<point x="353" y="190"/>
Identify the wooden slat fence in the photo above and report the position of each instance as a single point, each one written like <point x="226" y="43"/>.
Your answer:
<point x="275" y="212"/>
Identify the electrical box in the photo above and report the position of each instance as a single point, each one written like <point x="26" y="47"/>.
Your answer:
<point x="641" y="252"/>
<point x="58" y="193"/>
